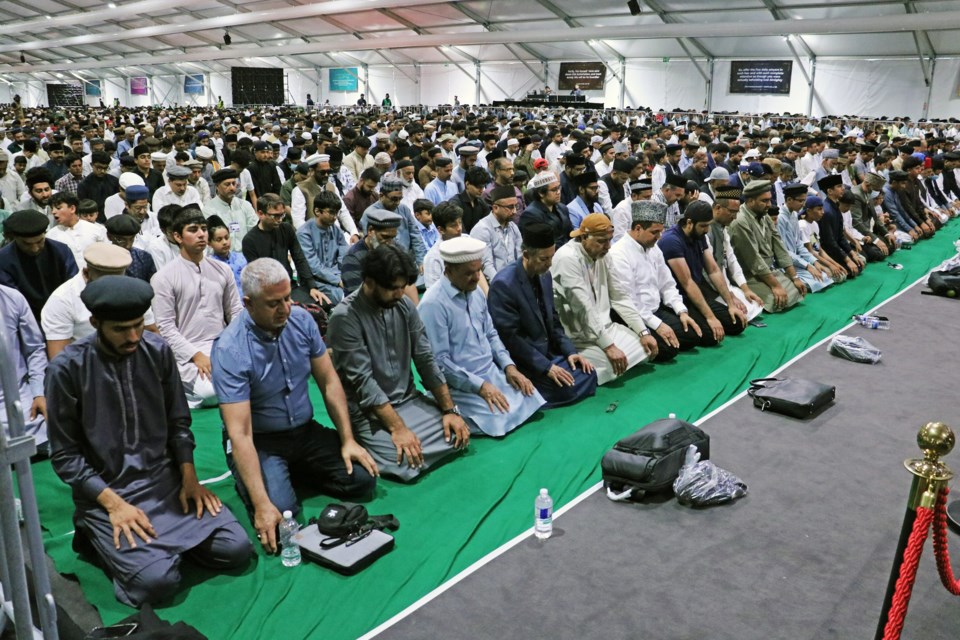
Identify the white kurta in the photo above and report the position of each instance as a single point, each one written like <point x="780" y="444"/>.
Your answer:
<point x="78" y="237"/>
<point x="585" y="292"/>
<point x="65" y="317"/>
<point x="733" y="276"/>
<point x="647" y="278"/>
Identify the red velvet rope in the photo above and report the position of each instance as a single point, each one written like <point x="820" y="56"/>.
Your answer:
<point x="908" y="574"/>
<point x="940" y="545"/>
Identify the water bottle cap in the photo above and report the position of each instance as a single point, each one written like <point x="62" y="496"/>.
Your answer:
<point x="543" y="492"/>
<point x="287" y="515"/>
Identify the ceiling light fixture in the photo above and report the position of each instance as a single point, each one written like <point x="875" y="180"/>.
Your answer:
<point x="23" y="58"/>
<point x="226" y="38"/>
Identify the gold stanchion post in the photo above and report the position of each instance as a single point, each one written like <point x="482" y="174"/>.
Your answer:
<point x="930" y="474"/>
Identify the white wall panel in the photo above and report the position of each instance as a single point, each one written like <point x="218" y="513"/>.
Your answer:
<point x="399" y="84"/>
<point x="945" y="99"/>
<point x="440" y="83"/>
<point x="870" y="88"/>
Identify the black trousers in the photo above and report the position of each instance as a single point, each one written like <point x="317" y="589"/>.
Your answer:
<point x="719" y="310"/>
<point x="688" y="339"/>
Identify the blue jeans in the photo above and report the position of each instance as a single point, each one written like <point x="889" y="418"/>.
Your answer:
<point x="308" y="455"/>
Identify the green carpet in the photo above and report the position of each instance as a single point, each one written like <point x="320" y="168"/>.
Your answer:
<point x="465" y="509"/>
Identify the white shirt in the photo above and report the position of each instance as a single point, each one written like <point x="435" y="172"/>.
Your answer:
<point x="622" y="218"/>
<point x="164" y="196"/>
<point x="644" y="274"/>
<point x="65" y="317"/>
<point x="78" y="237"/>
<point x="113" y="206"/>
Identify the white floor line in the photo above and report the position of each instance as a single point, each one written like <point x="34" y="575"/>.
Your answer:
<point x="589" y="492"/>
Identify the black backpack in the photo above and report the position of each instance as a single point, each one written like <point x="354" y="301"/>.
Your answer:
<point x="650" y="459"/>
<point x="945" y="283"/>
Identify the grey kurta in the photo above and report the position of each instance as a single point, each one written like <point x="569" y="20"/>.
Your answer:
<point x="123" y="424"/>
<point x="372" y="349"/>
<point x="193" y="304"/>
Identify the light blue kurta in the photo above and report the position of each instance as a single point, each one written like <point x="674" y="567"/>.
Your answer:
<point x="788" y="224"/>
<point x="469" y="351"/>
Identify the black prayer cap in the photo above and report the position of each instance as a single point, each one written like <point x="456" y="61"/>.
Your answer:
<point x="537" y="235"/>
<point x="224" y="174"/>
<point x="503" y="192"/>
<point x="676" y="180"/>
<point x="795" y="190"/>
<point x="829" y="182"/>
<point x="122" y="225"/>
<point x="117" y="298"/>
<point x="26" y="223"/>
<point x="586" y="178"/>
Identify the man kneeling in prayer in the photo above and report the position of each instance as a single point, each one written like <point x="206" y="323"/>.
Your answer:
<point x="494" y="397"/>
<point x="120" y="437"/>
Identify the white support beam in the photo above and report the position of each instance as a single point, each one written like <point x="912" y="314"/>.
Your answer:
<point x="939" y="21"/>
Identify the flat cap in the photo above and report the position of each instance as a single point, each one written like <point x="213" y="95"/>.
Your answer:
<point x="107" y="256"/>
<point x="117" y="298"/>
<point x="462" y="249"/>
<point x="756" y="187"/>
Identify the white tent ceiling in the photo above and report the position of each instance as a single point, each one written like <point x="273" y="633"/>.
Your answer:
<point x="134" y="37"/>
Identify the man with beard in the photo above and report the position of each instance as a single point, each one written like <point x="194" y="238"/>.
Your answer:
<point x="196" y="297"/>
<point x="686" y="252"/>
<point x="363" y="195"/>
<point x="522" y="308"/>
<point x="815" y="275"/>
<point x="638" y="264"/>
<point x="441" y="188"/>
<point x="375" y="334"/>
<point x="411" y="190"/>
<point x="32" y="264"/>
<point x="272" y="442"/>
<point x="670" y="193"/>
<point x="55" y="165"/>
<point x="503" y="173"/>
<point x="760" y="252"/>
<point x="263" y="171"/>
<point x="382" y="226"/>
<point x="408" y="237"/>
<point x="120" y="437"/>
<point x="37" y="196"/>
<point x="12" y="188"/>
<point x="493" y="395"/>
<point x="587" y="199"/>
<point x="178" y="190"/>
<point x="587" y="292"/>
<point x="237" y="213"/>
<point x="832" y="236"/>
<point x="99" y="185"/>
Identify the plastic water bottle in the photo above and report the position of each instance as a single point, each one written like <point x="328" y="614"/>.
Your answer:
<point x="289" y="549"/>
<point x="543" y="515"/>
<point x="872" y="322"/>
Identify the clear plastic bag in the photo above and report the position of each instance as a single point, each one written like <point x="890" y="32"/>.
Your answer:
<point x="855" y="349"/>
<point x="703" y="483"/>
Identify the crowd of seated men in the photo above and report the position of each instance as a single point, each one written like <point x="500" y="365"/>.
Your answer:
<point x="156" y="261"/>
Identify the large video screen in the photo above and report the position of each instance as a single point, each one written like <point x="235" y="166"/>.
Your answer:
<point x="761" y="76"/>
<point x="589" y="76"/>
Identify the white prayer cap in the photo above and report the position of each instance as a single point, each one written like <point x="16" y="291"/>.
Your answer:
<point x="775" y="140"/>
<point x="156" y="156"/>
<point x="306" y="135"/>
<point x="204" y="153"/>
<point x="462" y="249"/>
<point x="752" y="153"/>
<point x="129" y="179"/>
<point x="512" y="141"/>
<point x="382" y="158"/>
<point x="403" y="135"/>
<point x="317" y="158"/>
<point x="542" y="180"/>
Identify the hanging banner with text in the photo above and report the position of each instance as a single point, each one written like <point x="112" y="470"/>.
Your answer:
<point x="589" y="76"/>
<point x="761" y="76"/>
<point x="345" y="79"/>
<point x="138" y="86"/>
<point x="193" y="84"/>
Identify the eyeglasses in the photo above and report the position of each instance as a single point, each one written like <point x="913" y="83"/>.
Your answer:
<point x="276" y="216"/>
<point x="506" y="206"/>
